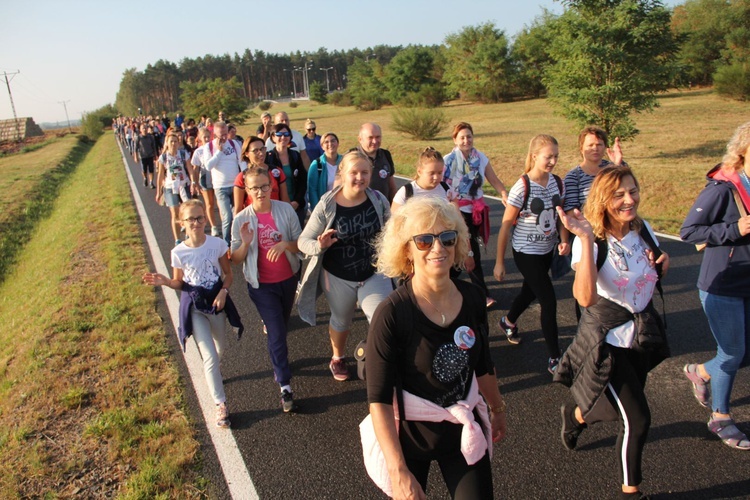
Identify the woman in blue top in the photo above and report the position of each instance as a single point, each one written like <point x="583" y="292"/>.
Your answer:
<point x="312" y="140"/>
<point x="323" y="169"/>
<point x="719" y="220"/>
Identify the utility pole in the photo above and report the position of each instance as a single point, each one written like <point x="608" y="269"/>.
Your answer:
<point x="64" y="103"/>
<point x="13" y="106"/>
<point x="328" y="88"/>
<point x="294" y="81"/>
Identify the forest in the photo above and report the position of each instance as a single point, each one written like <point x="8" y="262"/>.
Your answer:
<point x="698" y="43"/>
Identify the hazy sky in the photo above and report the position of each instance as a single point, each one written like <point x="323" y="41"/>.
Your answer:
<point x="77" y="50"/>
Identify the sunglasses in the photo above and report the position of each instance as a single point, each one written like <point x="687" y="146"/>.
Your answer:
<point x="282" y="134"/>
<point x="311" y="130"/>
<point x="425" y="242"/>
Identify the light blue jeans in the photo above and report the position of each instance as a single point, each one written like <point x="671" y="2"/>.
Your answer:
<point x="225" y="201"/>
<point x="729" y="319"/>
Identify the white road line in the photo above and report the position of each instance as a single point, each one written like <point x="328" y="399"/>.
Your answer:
<point x="659" y="235"/>
<point x="231" y="461"/>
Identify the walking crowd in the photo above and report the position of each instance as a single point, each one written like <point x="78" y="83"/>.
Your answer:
<point x="304" y="219"/>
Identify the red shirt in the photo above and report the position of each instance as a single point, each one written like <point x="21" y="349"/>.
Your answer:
<point x="239" y="182"/>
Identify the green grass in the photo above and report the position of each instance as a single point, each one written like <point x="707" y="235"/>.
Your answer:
<point x="35" y="179"/>
<point x="89" y="397"/>
<point x="677" y="145"/>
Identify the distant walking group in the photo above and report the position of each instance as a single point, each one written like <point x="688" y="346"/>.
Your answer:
<point x="304" y="219"/>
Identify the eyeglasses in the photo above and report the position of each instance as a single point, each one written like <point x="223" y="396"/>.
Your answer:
<point x="257" y="150"/>
<point x="282" y="134"/>
<point x="425" y="241"/>
<point x="195" y="220"/>
<point x="256" y="189"/>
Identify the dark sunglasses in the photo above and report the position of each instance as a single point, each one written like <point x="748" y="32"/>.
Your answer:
<point x="283" y="134"/>
<point x="425" y="241"/>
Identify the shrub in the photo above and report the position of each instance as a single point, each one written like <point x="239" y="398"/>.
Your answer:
<point x="370" y="100"/>
<point x="340" y="98"/>
<point x="733" y="81"/>
<point x="265" y="105"/>
<point x="293" y="104"/>
<point x="420" y="123"/>
<point x="429" y="96"/>
<point x="317" y="92"/>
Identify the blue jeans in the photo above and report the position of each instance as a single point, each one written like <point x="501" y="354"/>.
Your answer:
<point x="274" y="302"/>
<point x="729" y="319"/>
<point x="225" y="202"/>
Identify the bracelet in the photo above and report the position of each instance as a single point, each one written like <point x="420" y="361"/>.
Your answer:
<point x="226" y="290"/>
<point x="499" y="408"/>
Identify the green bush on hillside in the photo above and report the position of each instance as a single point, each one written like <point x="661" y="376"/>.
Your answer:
<point x="733" y="81"/>
<point x="420" y="123"/>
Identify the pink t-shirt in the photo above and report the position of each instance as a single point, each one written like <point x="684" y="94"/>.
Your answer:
<point x="268" y="236"/>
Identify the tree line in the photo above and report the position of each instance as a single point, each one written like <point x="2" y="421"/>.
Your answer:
<point x="598" y="61"/>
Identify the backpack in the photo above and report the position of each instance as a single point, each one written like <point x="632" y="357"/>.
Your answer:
<point x="409" y="189"/>
<point x="527" y="188"/>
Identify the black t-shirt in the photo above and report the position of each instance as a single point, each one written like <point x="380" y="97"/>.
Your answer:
<point x="429" y="362"/>
<point x="351" y="257"/>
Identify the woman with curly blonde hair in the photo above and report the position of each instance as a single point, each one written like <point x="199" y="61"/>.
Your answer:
<point x="429" y="340"/>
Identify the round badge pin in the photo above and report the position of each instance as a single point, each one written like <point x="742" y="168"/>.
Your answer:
<point x="464" y="337"/>
<point x="383" y="174"/>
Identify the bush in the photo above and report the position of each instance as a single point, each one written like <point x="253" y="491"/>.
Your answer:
<point x="94" y="123"/>
<point x="429" y="96"/>
<point x="733" y="81"/>
<point x="340" y="98"/>
<point x="370" y="100"/>
<point x="293" y="104"/>
<point x="420" y="123"/>
<point x="265" y="105"/>
<point x="318" y="92"/>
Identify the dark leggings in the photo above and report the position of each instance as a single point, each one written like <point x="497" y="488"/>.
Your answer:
<point x="477" y="275"/>
<point x="464" y="481"/>
<point x="625" y="394"/>
<point x="537" y="285"/>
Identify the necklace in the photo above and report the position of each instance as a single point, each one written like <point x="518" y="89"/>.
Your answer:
<point x="442" y="316"/>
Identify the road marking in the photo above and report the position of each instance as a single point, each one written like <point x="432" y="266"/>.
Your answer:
<point x="231" y="461"/>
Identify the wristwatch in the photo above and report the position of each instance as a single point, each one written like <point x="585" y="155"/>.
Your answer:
<point x="499" y="408"/>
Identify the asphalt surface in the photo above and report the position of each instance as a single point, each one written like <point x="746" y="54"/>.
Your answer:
<point x="316" y="453"/>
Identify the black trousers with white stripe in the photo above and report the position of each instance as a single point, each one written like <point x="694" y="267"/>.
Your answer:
<point x="625" y="393"/>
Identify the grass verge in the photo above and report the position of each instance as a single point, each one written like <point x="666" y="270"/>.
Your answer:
<point x="90" y="403"/>
<point x="677" y="145"/>
<point x="33" y="181"/>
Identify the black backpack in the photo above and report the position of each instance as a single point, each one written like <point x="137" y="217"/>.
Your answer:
<point x="409" y="189"/>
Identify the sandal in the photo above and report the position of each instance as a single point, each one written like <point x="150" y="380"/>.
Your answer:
<point x="729" y="433"/>
<point x="700" y="386"/>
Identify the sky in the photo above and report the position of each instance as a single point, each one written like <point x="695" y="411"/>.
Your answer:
<point x="75" y="51"/>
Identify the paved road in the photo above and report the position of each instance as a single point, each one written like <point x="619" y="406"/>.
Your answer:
<point x="315" y="453"/>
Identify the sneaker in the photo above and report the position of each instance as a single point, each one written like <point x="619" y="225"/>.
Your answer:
<point x="222" y="416"/>
<point x="511" y="332"/>
<point x="552" y="365"/>
<point x="287" y="401"/>
<point x="571" y="428"/>
<point x="490" y="302"/>
<point x="700" y="387"/>
<point x="153" y="186"/>
<point x="339" y="369"/>
<point x="145" y="182"/>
